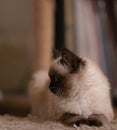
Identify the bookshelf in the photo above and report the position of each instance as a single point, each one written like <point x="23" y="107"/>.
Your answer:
<point x="94" y="31"/>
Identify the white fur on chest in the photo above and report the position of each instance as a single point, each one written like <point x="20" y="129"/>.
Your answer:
<point x="90" y="100"/>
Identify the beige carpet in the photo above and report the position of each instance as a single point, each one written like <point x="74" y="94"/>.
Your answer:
<point x="8" y="122"/>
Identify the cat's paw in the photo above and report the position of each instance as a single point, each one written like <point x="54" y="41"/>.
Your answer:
<point x="96" y="120"/>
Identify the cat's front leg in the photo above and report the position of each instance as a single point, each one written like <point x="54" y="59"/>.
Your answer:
<point x="71" y="119"/>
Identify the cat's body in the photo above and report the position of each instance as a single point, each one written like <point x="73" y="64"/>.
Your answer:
<point x="80" y="92"/>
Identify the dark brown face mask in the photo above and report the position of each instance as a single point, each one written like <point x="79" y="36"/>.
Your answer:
<point x="59" y="83"/>
<point x="56" y="81"/>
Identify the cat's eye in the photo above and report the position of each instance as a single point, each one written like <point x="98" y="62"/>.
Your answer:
<point x="54" y="76"/>
<point x="57" y="77"/>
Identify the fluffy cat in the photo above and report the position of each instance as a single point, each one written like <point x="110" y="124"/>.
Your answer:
<point x="75" y="92"/>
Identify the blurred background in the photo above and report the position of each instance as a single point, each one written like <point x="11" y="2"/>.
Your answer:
<point x="30" y="29"/>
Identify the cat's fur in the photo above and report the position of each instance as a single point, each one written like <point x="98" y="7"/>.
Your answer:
<point x="80" y="92"/>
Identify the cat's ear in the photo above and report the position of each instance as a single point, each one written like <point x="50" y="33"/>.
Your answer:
<point x="67" y="56"/>
<point x="56" y="53"/>
<point x="71" y="60"/>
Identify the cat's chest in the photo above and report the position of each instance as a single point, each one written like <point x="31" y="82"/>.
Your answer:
<point x="80" y="106"/>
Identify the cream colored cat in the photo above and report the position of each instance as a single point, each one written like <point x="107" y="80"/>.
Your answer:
<point x="75" y="92"/>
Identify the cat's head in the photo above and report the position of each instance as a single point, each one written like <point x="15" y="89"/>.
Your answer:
<point x="70" y="73"/>
<point x="63" y="71"/>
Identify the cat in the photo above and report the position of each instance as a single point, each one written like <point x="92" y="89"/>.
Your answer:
<point x="74" y="91"/>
